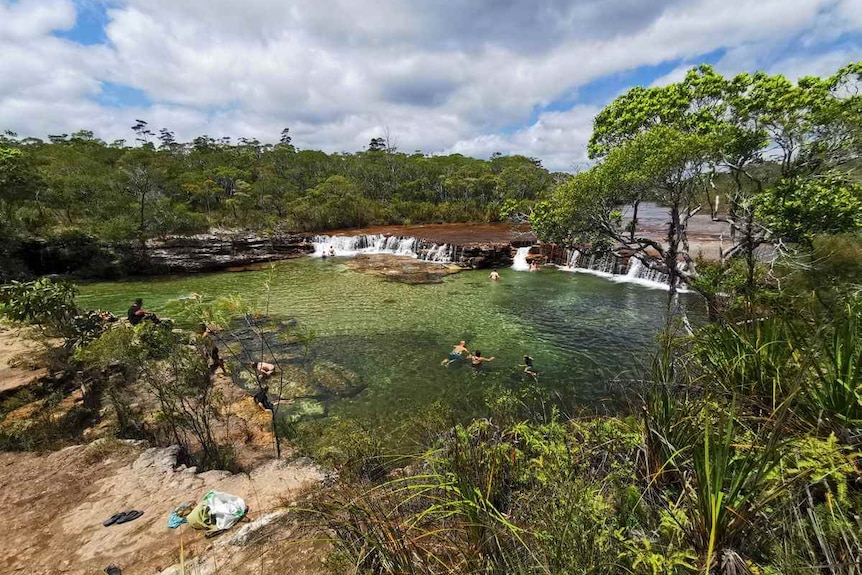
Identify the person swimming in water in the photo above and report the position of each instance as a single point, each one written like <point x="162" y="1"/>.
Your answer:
<point x="476" y="360"/>
<point x="494" y="276"/>
<point x="528" y="367"/>
<point x="459" y="353"/>
<point x="331" y="252"/>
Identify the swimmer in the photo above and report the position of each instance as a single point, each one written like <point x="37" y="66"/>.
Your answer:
<point x="459" y="353"/>
<point x="494" y="276"/>
<point x="331" y="252"/>
<point x="534" y="267"/>
<point x="528" y="367"/>
<point x="476" y="360"/>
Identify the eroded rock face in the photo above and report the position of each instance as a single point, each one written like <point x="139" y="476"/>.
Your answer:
<point x="486" y="255"/>
<point x="209" y="252"/>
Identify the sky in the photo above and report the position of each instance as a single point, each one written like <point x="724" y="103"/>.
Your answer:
<point x="441" y="76"/>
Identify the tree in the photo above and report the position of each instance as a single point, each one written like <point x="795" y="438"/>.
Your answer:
<point x="661" y="163"/>
<point x="758" y="130"/>
<point x="797" y="209"/>
<point x="142" y="177"/>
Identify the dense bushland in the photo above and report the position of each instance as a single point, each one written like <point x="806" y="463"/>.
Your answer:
<point x="118" y="192"/>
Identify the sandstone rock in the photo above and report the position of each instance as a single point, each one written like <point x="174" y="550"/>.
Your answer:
<point x="207" y="252"/>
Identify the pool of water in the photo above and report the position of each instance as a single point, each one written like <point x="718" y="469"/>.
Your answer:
<point x="582" y="331"/>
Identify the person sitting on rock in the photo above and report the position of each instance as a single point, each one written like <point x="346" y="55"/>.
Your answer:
<point x="137" y="313"/>
<point x="261" y="398"/>
<point x="265" y="369"/>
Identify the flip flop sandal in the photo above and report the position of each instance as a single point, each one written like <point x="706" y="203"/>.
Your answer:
<point x="129" y="516"/>
<point x="112" y="570"/>
<point x="114" y="518"/>
<point x="216" y="533"/>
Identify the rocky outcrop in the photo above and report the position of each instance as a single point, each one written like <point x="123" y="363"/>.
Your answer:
<point x="401" y="269"/>
<point x="209" y="252"/>
<point x="485" y="255"/>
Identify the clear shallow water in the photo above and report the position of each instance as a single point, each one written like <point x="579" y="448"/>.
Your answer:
<point x="581" y="330"/>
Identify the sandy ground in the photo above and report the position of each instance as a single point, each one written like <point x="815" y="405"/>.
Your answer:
<point x="53" y="506"/>
<point x="15" y="372"/>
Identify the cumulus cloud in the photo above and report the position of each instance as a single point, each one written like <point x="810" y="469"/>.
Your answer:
<point x="445" y="75"/>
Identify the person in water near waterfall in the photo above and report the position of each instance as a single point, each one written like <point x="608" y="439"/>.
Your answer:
<point x="476" y="360"/>
<point x="331" y="252"/>
<point x="494" y="276"/>
<point x="459" y="353"/>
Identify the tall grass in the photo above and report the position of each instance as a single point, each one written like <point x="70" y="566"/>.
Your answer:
<point x="835" y="392"/>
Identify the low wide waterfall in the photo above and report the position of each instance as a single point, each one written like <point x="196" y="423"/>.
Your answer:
<point x="520" y="262"/>
<point x="348" y="246"/>
<point x="611" y="267"/>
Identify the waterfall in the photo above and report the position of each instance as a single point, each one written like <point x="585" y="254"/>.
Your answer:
<point x="607" y="266"/>
<point x="640" y="274"/>
<point x="520" y="262"/>
<point x="349" y="246"/>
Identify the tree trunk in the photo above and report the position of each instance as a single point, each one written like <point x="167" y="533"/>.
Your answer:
<point x="670" y="256"/>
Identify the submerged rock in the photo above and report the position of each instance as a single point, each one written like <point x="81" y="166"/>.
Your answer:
<point x="402" y="269"/>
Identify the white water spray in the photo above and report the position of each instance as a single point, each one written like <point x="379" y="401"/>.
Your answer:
<point x="349" y="246"/>
<point x="520" y="264"/>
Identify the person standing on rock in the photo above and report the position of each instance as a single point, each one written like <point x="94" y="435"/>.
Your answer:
<point x="210" y="349"/>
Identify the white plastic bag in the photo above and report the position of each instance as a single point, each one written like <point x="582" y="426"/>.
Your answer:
<point x="227" y="509"/>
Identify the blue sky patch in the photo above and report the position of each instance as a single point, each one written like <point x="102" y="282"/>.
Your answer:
<point x="121" y="96"/>
<point x="89" y="28"/>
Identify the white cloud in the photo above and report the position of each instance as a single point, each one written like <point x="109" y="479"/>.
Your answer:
<point x="441" y="76"/>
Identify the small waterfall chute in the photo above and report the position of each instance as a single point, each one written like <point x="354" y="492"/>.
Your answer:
<point x="520" y="263"/>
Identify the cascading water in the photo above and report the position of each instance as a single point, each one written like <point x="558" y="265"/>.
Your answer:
<point x="606" y="267"/>
<point x="520" y="262"/>
<point x="640" y="274"/>
<point x="348" y="246"/>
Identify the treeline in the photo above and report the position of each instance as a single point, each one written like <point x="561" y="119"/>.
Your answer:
<point x="116" y="191"/>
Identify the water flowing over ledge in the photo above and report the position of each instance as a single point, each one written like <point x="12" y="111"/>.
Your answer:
<point x="520" y="263"/>
<point x="471" y="255"/>
<point x="609" y="266"/>
<point x="615" y="268"/>
<point x="347" y="246"/>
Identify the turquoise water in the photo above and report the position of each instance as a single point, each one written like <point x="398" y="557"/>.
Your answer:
<point x="582" y="331"/>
